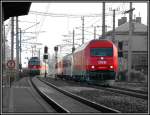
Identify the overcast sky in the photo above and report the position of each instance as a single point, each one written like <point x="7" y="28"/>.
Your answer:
<point x="62" y="18"/>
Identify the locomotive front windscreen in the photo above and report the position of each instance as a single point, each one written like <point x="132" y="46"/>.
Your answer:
<point x="34" y="62"/>
<point x="101" y="51"/>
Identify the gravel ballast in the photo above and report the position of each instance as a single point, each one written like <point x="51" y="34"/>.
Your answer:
<point x="123" y="103"/>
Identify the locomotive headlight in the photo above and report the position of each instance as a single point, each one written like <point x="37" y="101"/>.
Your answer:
<point x="92" y="66"/>
<point x="111" y="66"/>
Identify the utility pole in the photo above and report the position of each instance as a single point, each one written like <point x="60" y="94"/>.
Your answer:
<point x="12" y="38"/>
<point x="1" y="43"/>
<point x="32" y="50"/>
<point x="103" y="22"/>
<point x="73" y="47"/>
<point x="4" y="40"/>
<point x="82" y="18"/>
<point x="20" y="49"/>
<point x="17" y="50"/>
<point x="3" y="49"/>
<point x="114" y="14"/>
<point x="94" y="32"/>
<point x="130" y="40"/>
<point x="39" y="54"/>
<point x="113" y="34"/>
<point x="130" y="43"/>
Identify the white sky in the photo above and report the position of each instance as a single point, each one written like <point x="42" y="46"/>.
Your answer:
<point x="55" y="27"/>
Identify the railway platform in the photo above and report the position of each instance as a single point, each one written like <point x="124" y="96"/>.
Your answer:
<point x="21" y="98"/>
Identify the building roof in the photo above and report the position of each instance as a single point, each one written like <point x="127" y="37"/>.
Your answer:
<point x="138" y="27"/>
<point x="11" y="9"/>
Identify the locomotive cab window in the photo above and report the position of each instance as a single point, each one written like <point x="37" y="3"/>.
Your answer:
<point x="34" y="62"/>
<point x="101" y="51"/>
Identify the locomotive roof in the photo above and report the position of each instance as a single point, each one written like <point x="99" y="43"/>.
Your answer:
<point x="87" y="43"/>
<point x="34" y="58"/>
<point x="82" y="47"/>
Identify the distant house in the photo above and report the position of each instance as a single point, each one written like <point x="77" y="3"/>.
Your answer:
<point x="139" y="42"/>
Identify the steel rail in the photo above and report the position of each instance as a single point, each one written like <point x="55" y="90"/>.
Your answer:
<point x="127" y="89"/>
<point x="124" y="91"/>
<point x="99" y="107"/>
<point x="50" y="101"/>
<point x="128" y="92"/>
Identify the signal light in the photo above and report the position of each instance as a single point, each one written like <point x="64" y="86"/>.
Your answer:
<point x="55" y="48"/>
<point x="45" y="56"/>
<point x="120" y="54"/>
<point x="120" y="45"/>
<point x="45" y="49"/>
<point x="73" y="49"/>
<point x="120" y="48"/>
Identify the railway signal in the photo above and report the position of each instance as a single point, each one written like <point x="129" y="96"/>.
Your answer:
<point x="45" y="49"/>
<point x="55" y="48"/>
<point x="56" y="51"/>
<point x="120" y="49"/>
<point x="45" y="56"/>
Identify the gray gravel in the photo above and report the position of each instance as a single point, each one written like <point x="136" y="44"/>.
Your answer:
<point x="123" y="103"/>
<point x="143" y="86"/>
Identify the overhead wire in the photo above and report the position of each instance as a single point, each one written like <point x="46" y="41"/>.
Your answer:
<point x="43" y="18"/>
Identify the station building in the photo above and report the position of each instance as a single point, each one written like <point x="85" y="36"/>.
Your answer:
<point x="139" y="43"/>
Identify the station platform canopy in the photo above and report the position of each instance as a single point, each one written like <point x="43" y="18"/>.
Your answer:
<point x="11" y="9"/>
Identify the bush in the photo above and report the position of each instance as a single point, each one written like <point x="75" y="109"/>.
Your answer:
<point x="122" y="76"/>
<point x="137" y="76"/>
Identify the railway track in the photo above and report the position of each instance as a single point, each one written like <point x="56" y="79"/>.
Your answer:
<point x="66" y="102"/>
<point x="130" y="92"/>
<point x="134" y="93"/>
<point x="121" y="90"/>
<point x="127" y="89"/>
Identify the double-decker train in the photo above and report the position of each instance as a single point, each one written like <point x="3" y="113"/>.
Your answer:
<point x="94" y="62"/>
<point x="37" y="67"/>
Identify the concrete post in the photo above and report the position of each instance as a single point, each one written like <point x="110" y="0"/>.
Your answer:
<point x="130" y="43"/>
<point x="12" y="38"/>
<point x="82" y="29"/>
<point x="103" y="22"/>
<point x="17" y="50"/>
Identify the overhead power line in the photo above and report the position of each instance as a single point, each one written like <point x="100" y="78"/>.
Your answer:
<point x="70" y="15"/>
<point x="33" y="43"/>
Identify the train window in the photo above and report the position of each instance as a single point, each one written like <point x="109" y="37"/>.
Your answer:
<point x="34" y="62"/>
<point x="34" y="58"/>
<point x="101" y="52"/>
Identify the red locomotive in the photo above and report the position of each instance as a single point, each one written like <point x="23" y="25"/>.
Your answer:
<point x="36" y="66"/>
<point x="94" y="62"/>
